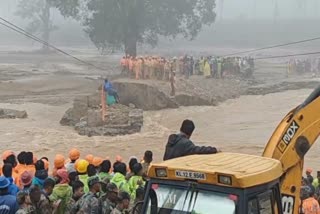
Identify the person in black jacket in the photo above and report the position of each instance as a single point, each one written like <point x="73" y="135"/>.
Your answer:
<point x="180" y="145"/>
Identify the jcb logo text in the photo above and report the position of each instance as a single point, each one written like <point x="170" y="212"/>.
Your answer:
<point x="290" y="133"/>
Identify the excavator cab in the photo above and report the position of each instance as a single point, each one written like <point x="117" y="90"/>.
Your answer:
<point x="224" y="183"/>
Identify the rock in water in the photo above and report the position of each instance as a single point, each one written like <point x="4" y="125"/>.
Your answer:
<point x="12" y="114"/>
<point x="86" y="117"/>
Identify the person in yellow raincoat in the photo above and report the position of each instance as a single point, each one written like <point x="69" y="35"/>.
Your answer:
<point x="206" y="69"/>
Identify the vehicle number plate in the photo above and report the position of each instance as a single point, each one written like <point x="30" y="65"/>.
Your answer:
<point x="190" y="175"/>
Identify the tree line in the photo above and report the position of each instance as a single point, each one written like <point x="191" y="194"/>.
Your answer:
<point x="122" y="24"/>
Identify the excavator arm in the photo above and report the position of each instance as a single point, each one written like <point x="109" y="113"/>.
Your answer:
<point x="291" y="140"/>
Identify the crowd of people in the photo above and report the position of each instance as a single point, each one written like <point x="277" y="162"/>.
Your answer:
<point x="74" y="186"/>
<point x="161" y="68"/>
<point x="301" y="66"/>
<point x="310" y="193"/>
<point x="78" y="185"/>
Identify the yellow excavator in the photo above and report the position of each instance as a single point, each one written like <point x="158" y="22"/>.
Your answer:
<point x="230" y="183"/>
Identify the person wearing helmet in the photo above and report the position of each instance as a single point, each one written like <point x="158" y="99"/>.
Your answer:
<point x="96" y="162"/>
<point x="89" y="158"/>
<point x="58" y="164"/>
<point x="74" y="155"/>
<point x="82" y="167"/>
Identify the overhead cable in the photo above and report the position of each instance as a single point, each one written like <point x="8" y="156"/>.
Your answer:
<point x="33" y="37"/>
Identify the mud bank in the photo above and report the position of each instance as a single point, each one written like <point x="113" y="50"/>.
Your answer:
<point x="155" y="95"/>
<point x="197" y="91"/>
<point x="282" y="86"/>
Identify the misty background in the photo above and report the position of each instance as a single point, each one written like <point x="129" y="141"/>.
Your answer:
<point x="241" y="24"/>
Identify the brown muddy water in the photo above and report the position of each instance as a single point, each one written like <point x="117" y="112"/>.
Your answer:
<point x="240" y="125"/>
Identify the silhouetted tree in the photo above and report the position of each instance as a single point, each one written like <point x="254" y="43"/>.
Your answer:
<point x="38" y="12"/>
<point x="122" y="24"/>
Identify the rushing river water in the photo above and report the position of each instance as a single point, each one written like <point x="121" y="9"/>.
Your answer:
<point x="240" y="125"/>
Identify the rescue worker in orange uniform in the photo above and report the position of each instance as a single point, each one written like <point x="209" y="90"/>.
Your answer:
<point x="130" y="64"/>
<point x="309" y="204"/>
<point x="123" y="63"/>
<point x="137" y="68"/>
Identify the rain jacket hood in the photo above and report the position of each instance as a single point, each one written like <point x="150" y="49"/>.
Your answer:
<point x="41" y="174"/>
<point x="121" y="182"/>
<point x="62" y="191"/>
<point x="37" y="181"/>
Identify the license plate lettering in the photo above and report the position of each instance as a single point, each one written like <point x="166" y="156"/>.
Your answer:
<point x="191" y="175"/>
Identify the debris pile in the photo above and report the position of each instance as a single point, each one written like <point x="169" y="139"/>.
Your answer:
<point x="86" y="117"/>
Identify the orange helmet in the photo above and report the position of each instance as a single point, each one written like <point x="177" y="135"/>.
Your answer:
<point x="74" y="154"/>
<point x="97" y="161"/>
<point x="59" y="161"/>
<point x="309" y="170"/>
<point x="89" y="158"/>
<point x="6" y="154"/>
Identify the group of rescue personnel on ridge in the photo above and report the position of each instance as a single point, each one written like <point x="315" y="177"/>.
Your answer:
<point x="160" y="68"/>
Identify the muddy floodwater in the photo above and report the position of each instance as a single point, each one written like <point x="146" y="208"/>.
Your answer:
<point x="238" y="125"/>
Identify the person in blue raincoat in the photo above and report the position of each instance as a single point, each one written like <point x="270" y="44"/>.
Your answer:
<point x="110" y="90"/>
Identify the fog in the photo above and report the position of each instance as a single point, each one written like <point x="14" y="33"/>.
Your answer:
<point x="245" y="23"/>
<point x="233" y="9"/>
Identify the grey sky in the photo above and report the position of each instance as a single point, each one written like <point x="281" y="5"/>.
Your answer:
<point x="265" y="9"/>
<point x="253" y="9"/>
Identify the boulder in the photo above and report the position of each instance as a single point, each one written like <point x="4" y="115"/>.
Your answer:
<point x="12" y="114"/>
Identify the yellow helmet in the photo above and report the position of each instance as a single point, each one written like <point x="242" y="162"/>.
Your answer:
<point x="81" y="166"/>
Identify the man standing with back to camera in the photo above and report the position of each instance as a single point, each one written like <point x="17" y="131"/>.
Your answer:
<point x="180" y="145"/>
